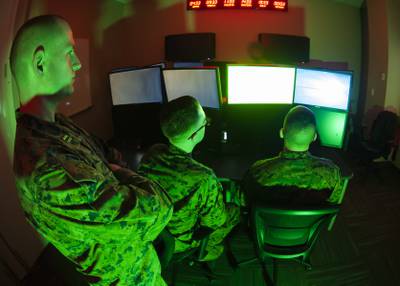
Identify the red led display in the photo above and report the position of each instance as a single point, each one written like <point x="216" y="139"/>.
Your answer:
<point x="277" y="5"/>
<point x="246" y="3"/>
<point x="211" y="3"/>
<point x="229" y="3"/>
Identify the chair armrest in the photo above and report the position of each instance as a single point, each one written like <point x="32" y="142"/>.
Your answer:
<point x="202" y="248"/>
<point x="232" y="193"/>
<point x="202" y="234"/>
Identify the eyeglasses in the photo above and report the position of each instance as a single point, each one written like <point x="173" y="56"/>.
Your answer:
<point x="207" y="123"/>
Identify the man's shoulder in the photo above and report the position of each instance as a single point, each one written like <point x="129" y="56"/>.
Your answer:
<point x="153" y="153"/>
<point x="324" y="163"/>
<point x="265" y="164"/>
<point x="183" y="167"/>
<point x="158" y="148"/>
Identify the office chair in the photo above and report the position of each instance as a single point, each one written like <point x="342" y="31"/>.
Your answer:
<point x="282" y="232"/>
<point x="379" y="144"/>
<point x="381" y="136"/>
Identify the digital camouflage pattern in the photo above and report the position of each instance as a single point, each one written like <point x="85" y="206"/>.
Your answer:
<point x="196" y="194"/>
<point x="104" y="222"/>
<point x="294" y="177"/>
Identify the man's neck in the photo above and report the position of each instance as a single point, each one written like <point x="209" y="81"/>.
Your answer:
<point x="296" y="148"/>
<point x="187" y="148"/>
<point x="43" y="107"/>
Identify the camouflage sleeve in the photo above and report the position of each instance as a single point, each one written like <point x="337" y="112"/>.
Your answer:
<point x="110" y="153"/>
<point x="338" y="187"/>
<point x="212" y="213"/>
<point x="76" y="192"/>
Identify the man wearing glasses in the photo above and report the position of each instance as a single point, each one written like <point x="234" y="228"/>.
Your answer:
<point x="194" y="188"/>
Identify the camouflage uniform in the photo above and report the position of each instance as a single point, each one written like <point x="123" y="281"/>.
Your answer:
<point x="196" y="194"/>
<point x="104" y="222"/>
<point x="294" y="177"/>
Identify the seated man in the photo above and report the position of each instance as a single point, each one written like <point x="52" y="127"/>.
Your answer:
<point x="295" y="176"/>
<point x="195" y="191"/>
<point x="72" y="190"/>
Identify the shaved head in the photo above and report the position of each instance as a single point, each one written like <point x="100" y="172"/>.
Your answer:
<point x="33" y="34"/>
<point x="299" y="128"/>
<point x="181" y="116"/>
<point x="40" y="55"/>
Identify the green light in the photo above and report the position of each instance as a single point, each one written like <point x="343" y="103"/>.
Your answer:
<point x="260" y="84"/>
<point x="112" y="12"/>
<point x="331" y="126"/>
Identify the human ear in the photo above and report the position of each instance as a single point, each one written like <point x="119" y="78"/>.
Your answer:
<point x="315" y="136"/>
<point x="281" y="133"/>
<point x="38" y="60"/>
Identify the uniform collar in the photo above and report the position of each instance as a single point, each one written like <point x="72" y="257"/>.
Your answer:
<point x="177" y="151"/>
<point x="286" y="154"/>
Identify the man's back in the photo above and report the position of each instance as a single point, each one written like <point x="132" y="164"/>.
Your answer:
<point x="194" y="189"/>
<point x="294" y="177"/>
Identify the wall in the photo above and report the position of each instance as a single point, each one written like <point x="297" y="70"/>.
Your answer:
<point x="383" y="88"/>
<point x="335" y="32"/>
<point x="124" y="33"/>
<point x="392" y="100"/>
<point x="377" y="59"/>
<point x="19" y="244"/>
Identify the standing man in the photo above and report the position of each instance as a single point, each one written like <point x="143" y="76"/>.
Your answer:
<point x="194" y="188"/>
<point x="73" y="190"/>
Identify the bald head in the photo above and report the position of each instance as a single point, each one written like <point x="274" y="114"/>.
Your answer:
<point x="299" y="128"/>
<point x="42" y="57"/>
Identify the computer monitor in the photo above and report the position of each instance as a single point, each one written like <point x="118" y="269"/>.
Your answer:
<point x="201" y="83"/>
<point x="143" y="85"/>
<point x="260" y="84"/>
<point x="331" y="126"/>
<point x="323" y="88"/>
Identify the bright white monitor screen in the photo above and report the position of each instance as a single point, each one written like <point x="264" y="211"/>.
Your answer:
<point x="202" y="84"/>
<point x="136" y="86"/>
<point x="260" y="84"/>
<point x="323" y="88"/>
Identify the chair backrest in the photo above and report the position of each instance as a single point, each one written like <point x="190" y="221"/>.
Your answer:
<point x="383" y="128"/>
<point x="287" y="232"/>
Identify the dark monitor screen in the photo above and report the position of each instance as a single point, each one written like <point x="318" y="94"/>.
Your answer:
<point x="260" y="84"/>
<point x="187" y="64"/>
<point x="331" y="126"/>
<point x="136" y="86"/>
<point x="323" y="88"/>
<point x="201" y="83"/>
